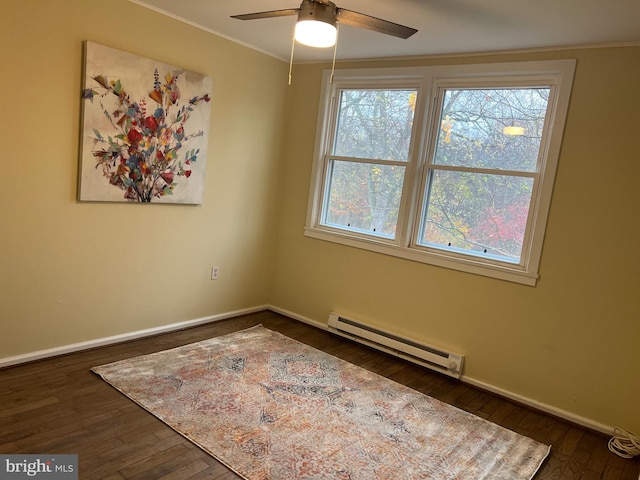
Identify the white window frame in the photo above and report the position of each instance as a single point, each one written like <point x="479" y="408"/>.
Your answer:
<point x="556" y="74"/>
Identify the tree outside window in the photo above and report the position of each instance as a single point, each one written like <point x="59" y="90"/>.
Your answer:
<point x="452" y="166"/>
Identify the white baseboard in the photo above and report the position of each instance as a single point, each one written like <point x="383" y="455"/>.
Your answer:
<point x="99" y="342"/>
<point x="300" y="318"/>
<point x="543" y="407"/>
<point x="75" y="347"/>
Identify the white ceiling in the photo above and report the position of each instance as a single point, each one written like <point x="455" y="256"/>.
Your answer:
<point x="444" y="26"/>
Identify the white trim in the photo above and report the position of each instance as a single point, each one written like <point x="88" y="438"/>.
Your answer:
<point x="555" y="74"/>
<point x="123" y="337"/>
<point x="75" y="347"/>
<point x="435" y="259"/>
<point x="300" y="318"/>
<point x="540" y="406"/>
<point x="206" y="29"/>
<point x="543" y="407"/>
<point x="480" y="53"/>
<point x="425" y="56"/>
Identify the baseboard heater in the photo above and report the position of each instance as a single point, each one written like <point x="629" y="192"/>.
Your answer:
<point x="425" y="355"/>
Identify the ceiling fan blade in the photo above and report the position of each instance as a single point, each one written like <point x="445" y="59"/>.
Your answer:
<point x="355" y="19"/>
<point x="269" y="14"/>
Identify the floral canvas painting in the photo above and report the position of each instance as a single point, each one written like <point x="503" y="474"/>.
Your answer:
<point x="144" y="130"/>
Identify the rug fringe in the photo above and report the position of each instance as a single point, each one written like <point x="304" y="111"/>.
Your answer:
<point x="541" y="462"/>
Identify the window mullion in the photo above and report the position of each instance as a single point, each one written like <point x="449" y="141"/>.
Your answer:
<point x="412" y="197"/>
<point x="429" y="131"/>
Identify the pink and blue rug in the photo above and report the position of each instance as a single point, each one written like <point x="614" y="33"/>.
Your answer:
<point x="270" y="407"/>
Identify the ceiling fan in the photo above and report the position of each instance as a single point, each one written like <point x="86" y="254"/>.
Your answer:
<point x="317" y="19"/>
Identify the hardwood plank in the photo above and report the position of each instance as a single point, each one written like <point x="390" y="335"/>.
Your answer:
<point x="58" y="405"/>
<point x="185" y="471"/>
<point x="490" y="406"/>
<point x="576" y="466"/>
<point x="28" y="406"/>
<point x="158" y="465"/>
<point x="570" y="441"/>
<point x="543" y="427"/>
<point x="551" y="469"/>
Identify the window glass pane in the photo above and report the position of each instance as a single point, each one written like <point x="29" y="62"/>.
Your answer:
<point x="478" y="214"/>
<point x="496" y="128"/>
<point x="375" y="124"/>
<point x="364" y="197"/>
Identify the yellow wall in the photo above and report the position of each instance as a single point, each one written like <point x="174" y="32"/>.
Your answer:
<point x="571" y="342"/>
<point x="74" y="272"/>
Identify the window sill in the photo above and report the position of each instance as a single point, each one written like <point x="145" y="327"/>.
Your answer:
<point x="471" y="265"/>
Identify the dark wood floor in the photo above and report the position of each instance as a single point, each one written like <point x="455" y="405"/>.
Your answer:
<point x="58" y="406"/>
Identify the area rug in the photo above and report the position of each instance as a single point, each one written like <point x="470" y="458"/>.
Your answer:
<point x="270" y="407"/>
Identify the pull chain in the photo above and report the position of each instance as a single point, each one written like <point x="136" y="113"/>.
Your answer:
<point x="293" y="44"/>
<point x="333" y="62"/>
<point x="335" y="48"/>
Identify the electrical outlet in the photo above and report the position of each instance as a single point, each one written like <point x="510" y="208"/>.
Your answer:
<point x="215" y="273"/>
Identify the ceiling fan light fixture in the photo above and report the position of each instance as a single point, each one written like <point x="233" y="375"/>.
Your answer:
<point x="315" y="33"/>
<point x="316" y="25"/>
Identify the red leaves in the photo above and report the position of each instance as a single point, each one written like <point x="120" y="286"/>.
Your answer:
<point x="151" y="123"/>
<point x="134" y="136"/>
<point x="167" y="177"/>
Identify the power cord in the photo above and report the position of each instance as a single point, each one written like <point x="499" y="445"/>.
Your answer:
<point x="624" y="444"/>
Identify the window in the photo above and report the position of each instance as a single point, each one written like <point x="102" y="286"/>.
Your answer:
<point x="368" y="160"/>
<point x="451" y="166"/>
